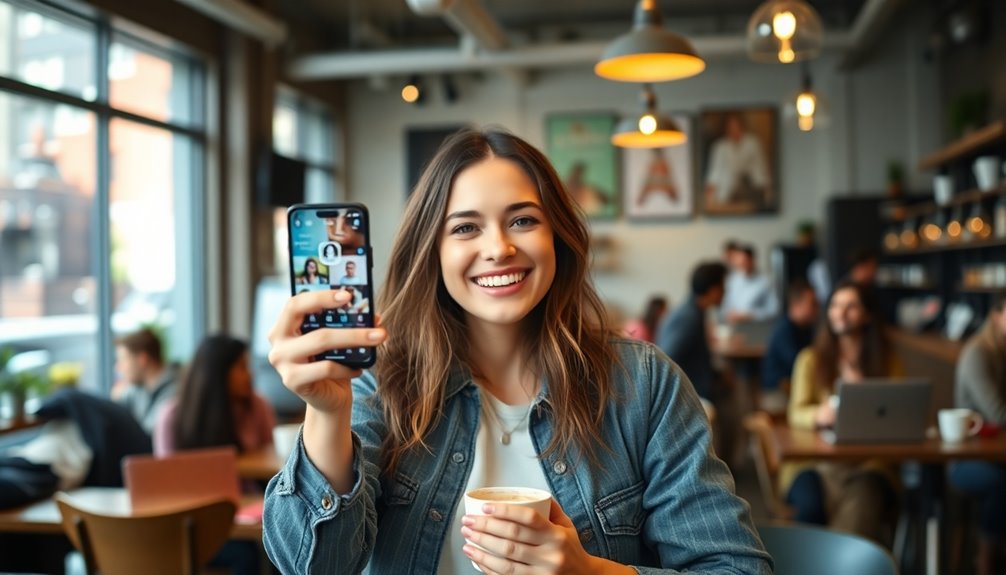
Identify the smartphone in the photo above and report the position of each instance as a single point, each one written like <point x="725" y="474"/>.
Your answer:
<point x="330" y="250"/>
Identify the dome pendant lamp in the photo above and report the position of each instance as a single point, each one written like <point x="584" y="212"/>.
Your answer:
<point x="650" y="130"/>
<point x="784" y="31"/>
<point x="649" y="52"/>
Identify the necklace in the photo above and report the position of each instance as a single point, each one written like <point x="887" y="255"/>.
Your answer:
<point x="490" y="409"/>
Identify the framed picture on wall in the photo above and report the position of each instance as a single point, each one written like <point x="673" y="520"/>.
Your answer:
<point x="579" y="146"/>
<point x="658" y="183"/>
<point x="739" y="160"/>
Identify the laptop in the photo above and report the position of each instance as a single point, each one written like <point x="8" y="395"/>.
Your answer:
<point x="882" y="410"/>
<point x="182" y="478"/>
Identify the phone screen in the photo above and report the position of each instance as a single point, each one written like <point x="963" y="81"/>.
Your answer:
<point x="330" y="250"/>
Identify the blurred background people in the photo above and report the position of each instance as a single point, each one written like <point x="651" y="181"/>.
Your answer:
<point x="145" y="384"/>
<point x="791" y="333"/>
<point x="216" y="405"/>
<point x="981" y="386"/>
<point x="644" y="328"/>
<point x="850" y="345"/>
<point x="749" y="295"/>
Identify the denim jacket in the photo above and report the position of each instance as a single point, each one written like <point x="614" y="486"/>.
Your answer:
<point x="660" y="501"/>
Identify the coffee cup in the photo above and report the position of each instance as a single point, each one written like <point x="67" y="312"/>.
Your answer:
<point x="284" y="439"/>
<point x="986" y="169"/>
<point x="537" y="499"/>
<point x="943" y="189"/>
<point x="956" y="425"/>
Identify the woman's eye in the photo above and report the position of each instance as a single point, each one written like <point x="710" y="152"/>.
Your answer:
<point x="463" y="229"/>
<point x="524" y="221"/>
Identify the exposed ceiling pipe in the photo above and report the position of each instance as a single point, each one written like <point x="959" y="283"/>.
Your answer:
<point x="467" y="18"/>
<point x="243" y="18"/>
<point x="535" y="56"/>
<point x="867" y="30"/>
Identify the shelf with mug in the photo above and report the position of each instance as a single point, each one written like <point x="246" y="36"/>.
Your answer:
<point x="963" y="245"/>
<point x="965" y="146"/>
<point x="959" y="199"/>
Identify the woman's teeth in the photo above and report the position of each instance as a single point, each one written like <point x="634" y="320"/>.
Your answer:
<point x="499" y="281"/>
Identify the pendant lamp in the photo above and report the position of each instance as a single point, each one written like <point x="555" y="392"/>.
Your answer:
<point x="649" y="52"/>
<point x="650" y="130"/>
<point x="784" y="31"/>
<point x="808" y="108"/>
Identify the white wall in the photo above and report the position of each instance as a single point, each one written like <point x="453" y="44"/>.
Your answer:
<point x="876" y="116"/>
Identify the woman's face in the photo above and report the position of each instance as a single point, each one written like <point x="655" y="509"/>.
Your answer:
<point x="239" y="378"/>
<point x="846" y="314"/>
<point x="311" y="267"/>
<point x="496" y="253"/>
<point x="339" y="230"/>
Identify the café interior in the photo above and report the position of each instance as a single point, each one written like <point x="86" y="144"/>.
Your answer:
<point x="802" y="203"/>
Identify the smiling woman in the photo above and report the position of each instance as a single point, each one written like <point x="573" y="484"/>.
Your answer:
<point x="497" y="369"/>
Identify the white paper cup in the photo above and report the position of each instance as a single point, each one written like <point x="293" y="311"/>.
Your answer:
<point x="284" y="439"/>
<point x="956" y="425"/>
<point x="986" y="169"/>
<point x="537" y="499"/>
<point x="943" y="189"/>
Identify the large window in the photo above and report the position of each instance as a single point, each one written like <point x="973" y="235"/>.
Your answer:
<point x="303" y="129"/>
<point x="100" y="188"/>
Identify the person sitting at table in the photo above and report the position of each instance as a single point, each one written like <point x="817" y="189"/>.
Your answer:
<point x="791" y="333"/>
<point x="981" y="386"/>
<point x="645" y="328"/>
<point x="496" y="367"/>
<point x="850" y="345"/>
<point x="216" y="405"/>
<point x="145" y="383"/>
<point x="749" y="295"/>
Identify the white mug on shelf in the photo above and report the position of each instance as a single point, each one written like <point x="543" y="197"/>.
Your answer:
<point x="956" y="425"/>
<point x="986" y="169"/>
<point x="943" y="189"/>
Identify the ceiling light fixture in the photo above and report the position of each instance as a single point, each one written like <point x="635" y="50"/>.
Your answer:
<point x="411" y="91"/>
<point x="650" y="130"/>
<point x="807" y="107"/>
<point x="784" y="31"/>
<point x="649" y="52"/>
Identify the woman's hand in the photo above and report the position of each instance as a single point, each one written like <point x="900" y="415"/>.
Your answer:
<point x="324" y="385"/>
<point x="825" y="414"/>
<point x="520" y="541"/>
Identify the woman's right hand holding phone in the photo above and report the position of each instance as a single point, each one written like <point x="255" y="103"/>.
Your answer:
<point x="324" y="385"/>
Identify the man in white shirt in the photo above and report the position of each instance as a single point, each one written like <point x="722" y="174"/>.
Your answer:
<point x="738" y="172"/>
<point x="350" y="278"/>
<point x="749" y="295"/>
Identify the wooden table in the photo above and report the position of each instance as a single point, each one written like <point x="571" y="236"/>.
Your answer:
<point x="797" y="444"/>
<point x="43" y="516"/>
<point x="736" y="347"/>
<point x="802" y="445"/>
<point x="262" y="464"/>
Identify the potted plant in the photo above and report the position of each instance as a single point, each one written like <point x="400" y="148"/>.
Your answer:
<point x="895" y="178"/>
<point x="16" y="386"/>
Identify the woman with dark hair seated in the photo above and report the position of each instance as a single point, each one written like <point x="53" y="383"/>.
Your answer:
<point x="216" y="404"/>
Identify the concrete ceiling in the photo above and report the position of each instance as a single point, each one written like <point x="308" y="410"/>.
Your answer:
<point x="362" y="24"/>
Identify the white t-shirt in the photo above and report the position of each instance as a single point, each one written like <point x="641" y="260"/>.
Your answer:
<point x="513" y="465"/>
<point x="730" y="161"/>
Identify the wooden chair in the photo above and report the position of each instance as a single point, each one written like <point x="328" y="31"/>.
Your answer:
<point x="169" y="543"/>
<point x="801" y="549"/>
<point x="767" y="464"/>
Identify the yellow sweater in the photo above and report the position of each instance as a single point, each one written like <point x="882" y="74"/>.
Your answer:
<point x="805" y="397"/>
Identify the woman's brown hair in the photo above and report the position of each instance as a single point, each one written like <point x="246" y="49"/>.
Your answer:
<point x="876" y="355"/>
<point x="567" y="337"/>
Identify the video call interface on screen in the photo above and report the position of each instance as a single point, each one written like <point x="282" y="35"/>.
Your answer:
<point x="329" y="252"/>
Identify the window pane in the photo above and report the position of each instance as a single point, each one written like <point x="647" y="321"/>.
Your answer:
<point x="153" y="233"/>
<point x="157" y="85"/>
<point x="284" y="130"/>
<point x="318" y="186"/>
<point x="48" y="49"/>
<point x="317" y="136"/>
<point x="47" y="184"/>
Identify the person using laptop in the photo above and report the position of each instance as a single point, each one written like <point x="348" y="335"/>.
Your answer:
<point x="850" y="345"/>
<point x="981" y="386"/>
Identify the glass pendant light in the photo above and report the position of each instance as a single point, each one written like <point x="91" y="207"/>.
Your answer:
<point x="807" y="107"/>
<point x="651" y="130"/>
<point x="649" y="52"/>
<point x="784" y="31"/>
